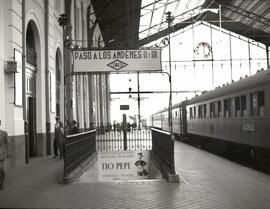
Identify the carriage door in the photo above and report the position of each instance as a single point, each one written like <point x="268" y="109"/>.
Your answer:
<point x="31" y="112"/>
<point x="181" y="120"/>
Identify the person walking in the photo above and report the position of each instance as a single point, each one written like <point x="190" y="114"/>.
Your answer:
<point x="60" y="135"/>
<point x="55" y="142"/>
<point x="4" y="153"/>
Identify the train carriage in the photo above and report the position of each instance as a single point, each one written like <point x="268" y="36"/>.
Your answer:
<point x="234" y="118"/>
<point x="238" y="112"/>
<point x="161" y="119"/>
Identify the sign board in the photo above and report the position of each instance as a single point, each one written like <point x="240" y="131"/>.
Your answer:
<point x="123" y="165"/>
<point x="124" y="107"/>
<point x="249" y="127"/>
<point x="117" y="60"/>
<point x="11" y="67"/>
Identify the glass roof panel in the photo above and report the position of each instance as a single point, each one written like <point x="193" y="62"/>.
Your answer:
<point x="153" y="13"/>
<point x="171" y="7"/>
<point x="157" y="17"/>
<point x="144" y="12"/>
<point x="145" y="21"/>
<point x="146" y="2"/>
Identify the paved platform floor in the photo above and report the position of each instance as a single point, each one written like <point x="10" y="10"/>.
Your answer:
<point x="207" y="181"/>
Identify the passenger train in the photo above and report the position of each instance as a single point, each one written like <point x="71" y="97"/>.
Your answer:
<point x="236" y="115"/>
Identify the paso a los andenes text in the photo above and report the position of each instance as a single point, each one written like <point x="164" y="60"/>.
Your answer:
<point x="117" y="54"/>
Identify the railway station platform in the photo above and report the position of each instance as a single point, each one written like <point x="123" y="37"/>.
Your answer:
<point x="206" y="181"/>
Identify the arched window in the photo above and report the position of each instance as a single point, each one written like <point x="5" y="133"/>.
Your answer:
<point x="31" y="55"/>
<point x="57" y="68"/>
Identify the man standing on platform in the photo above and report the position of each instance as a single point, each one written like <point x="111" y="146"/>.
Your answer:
<point x="60" y="135"/>
<point x="55" y="142"/>
<point x="4" y="152"/>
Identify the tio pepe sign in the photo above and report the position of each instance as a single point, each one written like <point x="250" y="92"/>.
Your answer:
<point x="123" y="165"/>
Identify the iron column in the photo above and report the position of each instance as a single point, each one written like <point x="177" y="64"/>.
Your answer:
<point x="169" y="20"/>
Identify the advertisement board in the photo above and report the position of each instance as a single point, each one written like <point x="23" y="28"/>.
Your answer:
<point x="123" y="165"/>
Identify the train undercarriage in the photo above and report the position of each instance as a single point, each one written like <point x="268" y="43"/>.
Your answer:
<point x="251" y="156"/>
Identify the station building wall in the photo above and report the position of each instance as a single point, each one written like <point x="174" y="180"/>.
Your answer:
<point x="39" y="95"/>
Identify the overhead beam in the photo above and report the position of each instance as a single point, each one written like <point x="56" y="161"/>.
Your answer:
<point x="213" y="18"/>
<point x="166" y="31"/>
<point x="155" y="92"/>
<point x="242" y="12"/>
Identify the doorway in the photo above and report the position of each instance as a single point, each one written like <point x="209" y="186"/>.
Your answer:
<point x="31" y="81"/>
<point x="31" y="113"/>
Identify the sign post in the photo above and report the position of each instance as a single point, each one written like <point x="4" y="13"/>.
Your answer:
<point x="125" y="130"/>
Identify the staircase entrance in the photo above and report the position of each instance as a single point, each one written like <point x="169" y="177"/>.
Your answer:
<point x="124" y="153"/>
<point x="124" y="149"/>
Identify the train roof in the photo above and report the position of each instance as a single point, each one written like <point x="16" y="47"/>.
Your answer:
<point x="160" y="111"/>
<point x="260" y="78"/>
<point x="173" y="106"/>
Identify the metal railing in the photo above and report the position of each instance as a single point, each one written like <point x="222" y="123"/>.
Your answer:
<point x="163" y="147"/>
<point x="120" y="139"/>
<point x="78" y="148"/>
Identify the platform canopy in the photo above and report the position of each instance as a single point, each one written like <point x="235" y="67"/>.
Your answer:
<point x="131" y="24"/>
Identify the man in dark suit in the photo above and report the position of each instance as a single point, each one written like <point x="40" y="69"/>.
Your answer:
<point x="60" y="136"/>
<point x="4" y="153"/>
<point x="55" y="142"/>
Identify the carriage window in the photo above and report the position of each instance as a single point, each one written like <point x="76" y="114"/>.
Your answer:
<point x="254" y="104"/>
<point x="219" y="108"/>
<point x="237" y="107"/>
<point x="204" y="110"/>
<point x="175" y="118"/>
<point x="194" y="111"/>
<point x="227" y="107"/>
<point x="243" y="105"/>
<point x="190" y="113"/>
<point x="257" y="103"/>
<point x="200" y="111"/>
<point x="231" y="104"/>
<point x="212" y="110"/>
<point x="261" y="98"/>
